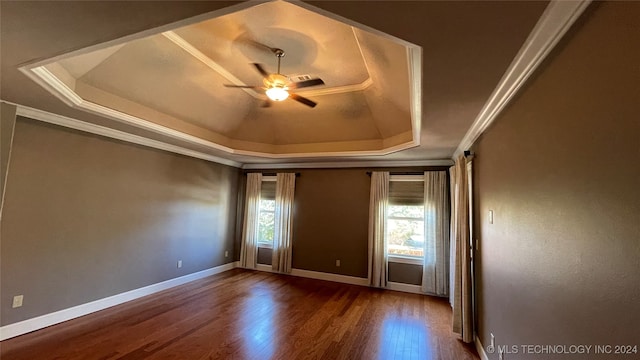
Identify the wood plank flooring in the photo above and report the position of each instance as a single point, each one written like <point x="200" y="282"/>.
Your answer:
<point x="243" y="314"/>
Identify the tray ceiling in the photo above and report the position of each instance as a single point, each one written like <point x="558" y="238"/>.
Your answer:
<point x="172" y="82"/>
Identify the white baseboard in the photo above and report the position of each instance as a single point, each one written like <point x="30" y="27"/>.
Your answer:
<point x="353" y="280"/>
<point x="396" y="286"/>
<point x="40" y="322"/>
<point x="480" y="349"/>
<point x="330" y="277"/>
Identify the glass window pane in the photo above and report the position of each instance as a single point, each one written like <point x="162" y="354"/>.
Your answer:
<point x="266" y="220"/>
<point x="267" y="205"/>
<point x="405" y="236"/>
<point x="410" y="211"/>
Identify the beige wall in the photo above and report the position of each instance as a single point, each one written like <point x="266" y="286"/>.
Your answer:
<point x="560" y="264"/>
<point x="331" y="217"/>
<point x="331" y="220"/>
<point x="7" y="123"/>
<point x="87" y="217"/>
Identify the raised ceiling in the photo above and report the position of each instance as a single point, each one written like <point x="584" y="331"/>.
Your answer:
<point x="97" y="49"/>
<point x="173" y="81"/>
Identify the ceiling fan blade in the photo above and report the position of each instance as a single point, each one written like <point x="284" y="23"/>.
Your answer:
<point x="259" y="45"/>
<point x="306" y="83"/>
<point x="242" y="86"/>
<point x="303" y="100"/>
<point x="266" y="103"/>
<point x="261" y="69"/>
<point x="248" y="38"/>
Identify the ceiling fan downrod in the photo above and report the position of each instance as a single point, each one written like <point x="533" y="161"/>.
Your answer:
<point x="279" y="54"/>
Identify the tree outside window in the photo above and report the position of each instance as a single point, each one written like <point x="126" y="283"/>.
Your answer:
<point x="266" y="221"/>
<point x="405" y="230"/>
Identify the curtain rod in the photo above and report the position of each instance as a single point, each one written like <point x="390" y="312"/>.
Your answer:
<point x="402" y="173"/>
<point x="268" y="173"/>
<point x="469" y="155"/>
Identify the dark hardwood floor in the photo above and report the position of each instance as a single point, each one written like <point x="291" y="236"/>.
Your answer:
<point x="244" y="314"/>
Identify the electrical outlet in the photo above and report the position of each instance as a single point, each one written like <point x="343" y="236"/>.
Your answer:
<point x="226" y="254"/>
<point x="338" y="263"/>
<point x="17" y="301"/>
<point x="179" y="264"/>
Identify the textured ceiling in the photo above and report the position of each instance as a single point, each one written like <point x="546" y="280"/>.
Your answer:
<point x="466" y="48"/>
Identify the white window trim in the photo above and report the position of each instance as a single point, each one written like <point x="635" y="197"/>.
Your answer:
<point x="405" y="178"/>
<point x="413" y="260"/>
<point x="265" y="245"/>
<point x="408" y="218"/>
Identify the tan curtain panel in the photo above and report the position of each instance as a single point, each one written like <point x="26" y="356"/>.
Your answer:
<point x="378" y="200"/>
<point x="435" y="269"/>
<point x="249" y="246"/>
<point x="281" y="255"/>
<point x="462" y="308"/>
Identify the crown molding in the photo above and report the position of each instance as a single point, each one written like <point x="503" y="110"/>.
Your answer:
<point x="550" y="28"/>
<point x="349" y="164"/>
<point x="75" y="124"/>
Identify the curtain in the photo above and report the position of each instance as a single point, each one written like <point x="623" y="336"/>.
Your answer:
<point x="377" y="217"/>
<point x="435" y="270"/>
<point x="453" y="190"/>
<point x="249" y="247"/>
<point x="462" y="309"/>
<point x="281" y="255"/>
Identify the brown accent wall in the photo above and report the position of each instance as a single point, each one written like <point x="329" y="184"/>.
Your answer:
<point x="7" y="123"/>
<point x="331" y="222"/>
<point x="87" y="217"/>
<point x="560" y="169"/>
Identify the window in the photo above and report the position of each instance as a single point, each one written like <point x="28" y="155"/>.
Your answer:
<point x="405" y="230"/>
<point x="266" y="221"/>
<point x="405" y="219"/>
<point x="267" y="212"/>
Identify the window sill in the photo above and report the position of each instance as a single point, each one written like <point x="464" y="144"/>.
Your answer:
<point x="265" y="245"/>
<point x="405" y="260"/>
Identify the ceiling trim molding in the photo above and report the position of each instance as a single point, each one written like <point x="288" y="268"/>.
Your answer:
<point x="58" y="88"/>
<point x="193" y="51"/>
<point x="550" y="28"/>
<point x="329" y="154"/>
<point x="337" y="89"/>
<point x="79" y="125"/>
<point x="414" y="62"/>
<point x="349" y="164"/>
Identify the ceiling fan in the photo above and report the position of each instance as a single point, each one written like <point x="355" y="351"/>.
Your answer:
<point x="277" y="86"/>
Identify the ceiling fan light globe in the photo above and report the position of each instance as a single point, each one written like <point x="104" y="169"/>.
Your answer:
<point x="277" y="93"/>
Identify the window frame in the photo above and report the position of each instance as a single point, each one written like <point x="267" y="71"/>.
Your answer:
<point x="404" y="259"/>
